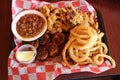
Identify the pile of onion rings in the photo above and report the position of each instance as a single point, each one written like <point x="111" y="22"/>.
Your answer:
<point x="85" y="46"/>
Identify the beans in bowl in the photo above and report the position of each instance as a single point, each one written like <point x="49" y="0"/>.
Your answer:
<point x="30" y="25"/>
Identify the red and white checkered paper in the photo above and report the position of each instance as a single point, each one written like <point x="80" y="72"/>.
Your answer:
<point x="48" y="69"/>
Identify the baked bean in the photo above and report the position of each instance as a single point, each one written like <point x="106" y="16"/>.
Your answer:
<point x="30" y="25"/>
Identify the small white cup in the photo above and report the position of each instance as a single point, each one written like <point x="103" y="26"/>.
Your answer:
<point x="26" y="47"/>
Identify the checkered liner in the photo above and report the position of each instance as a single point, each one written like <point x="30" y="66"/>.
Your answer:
<point x="46" y="70"/>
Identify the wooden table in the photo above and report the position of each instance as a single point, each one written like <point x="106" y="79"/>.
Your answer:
<point x="110" y="10"/>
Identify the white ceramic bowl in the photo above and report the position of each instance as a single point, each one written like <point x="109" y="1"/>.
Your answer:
<point x="21" y="14"/>
<point x="26" y="47"/>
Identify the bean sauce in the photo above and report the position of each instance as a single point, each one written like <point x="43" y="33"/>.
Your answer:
<point x="30" y="25"/>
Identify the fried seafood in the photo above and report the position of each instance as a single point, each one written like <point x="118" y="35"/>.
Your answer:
<point x="53" y="26"/>
<point x="46" y="10"/>
<point x="75" y="17"/>
<point x="45" y="39"/>
<point x="53" y="44"/>
<point x="64" y="19"/>
<point x="58" y="38"/>
<point x="42" y="53"/>
<point x="52" y="49"/>
<point x="84" y="44"/>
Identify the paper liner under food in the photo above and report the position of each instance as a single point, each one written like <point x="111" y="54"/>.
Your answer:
<point x="48" y="69"/>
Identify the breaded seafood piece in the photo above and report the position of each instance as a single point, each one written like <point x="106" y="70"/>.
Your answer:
<point x="45" y="39"/>
<point x="42" y="53"/>
<point x="58" y="38"/>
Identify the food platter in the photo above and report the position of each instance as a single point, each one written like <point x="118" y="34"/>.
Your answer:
<point x="56" y="68"/>
<point x="101" y="24"/>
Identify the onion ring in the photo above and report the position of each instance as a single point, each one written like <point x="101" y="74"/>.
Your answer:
<point x="96" y="59"/>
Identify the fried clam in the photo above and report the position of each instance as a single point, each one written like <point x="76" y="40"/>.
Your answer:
<point x="42" y="53"/>
<point x="58" y="38"/>
<point x="45" y="39"/>
<point x="74" y="16"/>
<point x="51" y="21"/>
<point x="46" y="10"/>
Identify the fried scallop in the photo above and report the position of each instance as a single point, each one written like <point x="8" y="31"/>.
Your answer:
<point x="42" y="53"/>
<point x="52" y="49"/>
<point x="58" y="38"/>
<point x="45" y="39"/>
